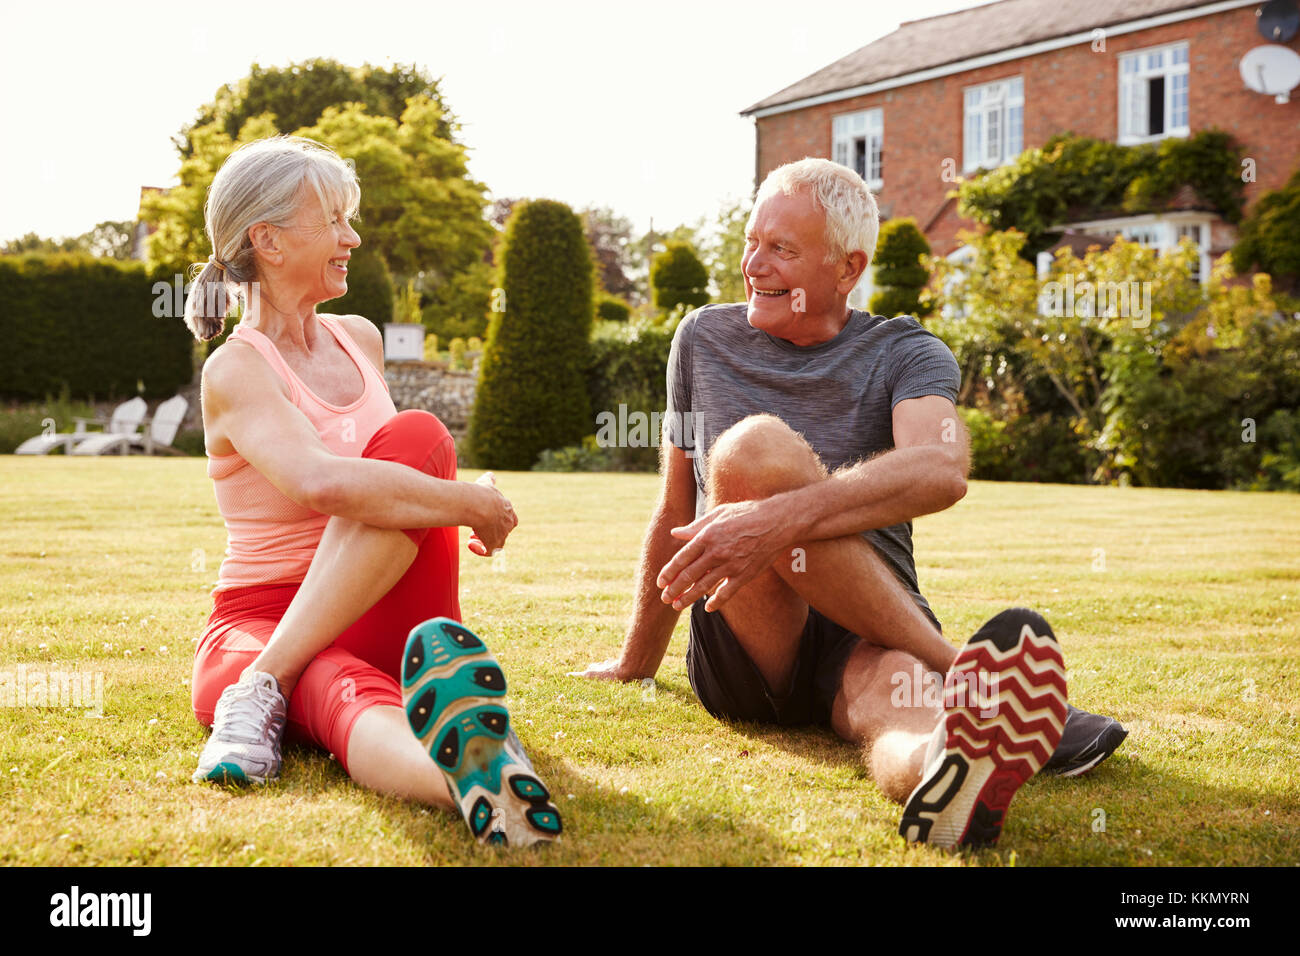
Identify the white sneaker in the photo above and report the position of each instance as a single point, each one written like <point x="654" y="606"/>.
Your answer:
<point x="246" y="732"/>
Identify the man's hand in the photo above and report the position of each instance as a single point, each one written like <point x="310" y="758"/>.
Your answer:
<point x="488" y="535"/>
<point x="605" y="670"/>
<point x="727" y="547"/>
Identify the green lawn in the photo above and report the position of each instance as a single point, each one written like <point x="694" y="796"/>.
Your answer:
<point x="1179" y="613"/>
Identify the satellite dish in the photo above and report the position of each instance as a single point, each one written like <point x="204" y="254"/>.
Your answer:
<point x="1278" y="20"/>
<point x="1272" y="69"/>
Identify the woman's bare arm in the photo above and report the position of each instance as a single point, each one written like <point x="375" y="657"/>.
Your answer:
<point x="245" y="405"/>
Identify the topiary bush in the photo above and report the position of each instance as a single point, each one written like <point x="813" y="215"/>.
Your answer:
<point x="900" y="276"/>
<point x="103" y="328"/>
<point x="532" y="393"/>
<point x="678" y="277"/>
<point x="370" y="289"/>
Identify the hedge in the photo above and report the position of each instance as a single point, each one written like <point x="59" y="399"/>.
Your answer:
<point x="97" y="326"/>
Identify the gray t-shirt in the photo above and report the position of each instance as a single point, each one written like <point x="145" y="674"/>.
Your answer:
<point x="839" y="395"/>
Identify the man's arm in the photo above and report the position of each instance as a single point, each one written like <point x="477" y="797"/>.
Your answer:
<point x="924" y="473"/>
<point x="653" y="621"/>
<point x="733" y="543"/>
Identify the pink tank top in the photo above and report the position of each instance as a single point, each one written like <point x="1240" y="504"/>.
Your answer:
<point x="272" y="538"/>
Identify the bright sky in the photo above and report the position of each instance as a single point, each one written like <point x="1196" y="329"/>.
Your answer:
<point x="628" y="105"/>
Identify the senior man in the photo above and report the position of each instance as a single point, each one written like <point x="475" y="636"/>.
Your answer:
<point x="802" y="438"/>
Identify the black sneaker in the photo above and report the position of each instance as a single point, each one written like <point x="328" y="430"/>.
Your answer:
<point x="1088" y="740"/>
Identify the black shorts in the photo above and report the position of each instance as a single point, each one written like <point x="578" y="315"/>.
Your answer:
<point x="730" y="686"/>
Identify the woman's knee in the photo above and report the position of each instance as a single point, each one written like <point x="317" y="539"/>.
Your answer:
<point x="417" y="438"/>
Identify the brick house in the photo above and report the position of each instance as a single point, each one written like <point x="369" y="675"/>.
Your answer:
<point x="941" y="97"/>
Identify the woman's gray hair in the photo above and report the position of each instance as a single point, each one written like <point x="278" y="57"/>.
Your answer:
<point x="259" y="182"/>
<point x="852" y="218"/>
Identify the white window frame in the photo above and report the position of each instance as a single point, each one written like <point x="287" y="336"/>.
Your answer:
<point x="1135" y="73"/>
<point x="984" y="105"/>
<point x="869" y="127"/>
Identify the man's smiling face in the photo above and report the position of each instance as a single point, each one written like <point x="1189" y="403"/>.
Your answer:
<point x="792" y="291"/>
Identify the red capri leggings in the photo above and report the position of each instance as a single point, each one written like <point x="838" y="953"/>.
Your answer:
<point x="361" y="668"/>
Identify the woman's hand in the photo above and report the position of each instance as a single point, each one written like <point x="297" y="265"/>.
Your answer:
<point x="489" y="533"/>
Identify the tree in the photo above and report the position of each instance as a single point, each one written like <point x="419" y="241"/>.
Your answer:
<point x="725" y="248"/>
<point x="900" y="276"/>
<point x="532" y="392"/>
<point x="678" y="277"/>
<point x="419" y="209"/>
<point x="179" y="239"/>
<point x="38" y="244"/>
<point x="610" y="237"/>
<point x="108" y="240"/>
<point x="296" y="95"/>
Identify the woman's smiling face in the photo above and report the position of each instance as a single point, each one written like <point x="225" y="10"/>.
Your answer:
<point x="317" y="244"/>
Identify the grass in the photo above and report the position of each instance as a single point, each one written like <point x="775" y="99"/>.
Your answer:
<point x="1179" y="613"/>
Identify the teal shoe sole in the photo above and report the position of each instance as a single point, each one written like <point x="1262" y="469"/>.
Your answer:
<point x="454" y="691"/>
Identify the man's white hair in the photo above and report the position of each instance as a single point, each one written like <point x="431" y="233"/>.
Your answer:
<point x="852" y="219"/>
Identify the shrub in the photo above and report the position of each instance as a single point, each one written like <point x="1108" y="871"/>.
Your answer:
<point x="900" y="276"/>
<point x="612" y="309"/>
<point x="588" y="456"/>
<point x="459" y="305"/>
<point x="629" y="366"/>
<point x="532" y="395"/>
<point x="456" y="353"/>
<point x="98" y="326"/>
<point x="1270" y="236"/>
<point x="370" y="289"/>
<point x="1279" y="439"/>
<point x="679" y="278"/>
<point x="21" y="422"/>
<point x="1024" y="448"/>
<point x="1075" y="177"/>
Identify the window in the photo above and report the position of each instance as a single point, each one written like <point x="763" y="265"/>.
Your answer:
<point x="1153" y="94"/>
<point x="857" y="141"/>
<point x="995" y="123"/>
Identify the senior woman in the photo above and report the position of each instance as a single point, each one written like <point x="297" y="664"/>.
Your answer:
<point x="335" y="614"/>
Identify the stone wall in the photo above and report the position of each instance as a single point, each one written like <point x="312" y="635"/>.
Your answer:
<point x="435" y="388"/>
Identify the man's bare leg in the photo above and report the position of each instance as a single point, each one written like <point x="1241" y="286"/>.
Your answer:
<point x="847" y="581"/>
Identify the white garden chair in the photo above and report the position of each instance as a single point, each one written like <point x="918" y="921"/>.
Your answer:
<point x="160" y="434"/>
<point x="126" y="419"/>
